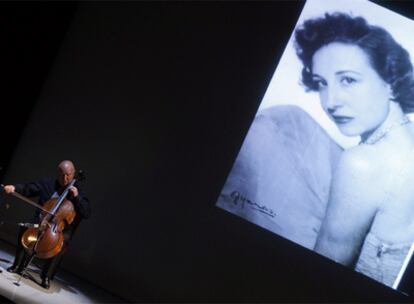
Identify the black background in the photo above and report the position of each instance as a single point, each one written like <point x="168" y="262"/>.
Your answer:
<point x="196" y="72"/>
<point x="31" y="33"/>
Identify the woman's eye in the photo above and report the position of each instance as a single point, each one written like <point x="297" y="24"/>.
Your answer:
<point x="319" y="84"/>
<point x="346" y="80"/>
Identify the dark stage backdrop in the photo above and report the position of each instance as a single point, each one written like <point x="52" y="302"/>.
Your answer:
<point x="153" y="101"/>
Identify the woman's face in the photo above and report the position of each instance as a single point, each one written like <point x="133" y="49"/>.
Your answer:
<point x="351" y="92"/>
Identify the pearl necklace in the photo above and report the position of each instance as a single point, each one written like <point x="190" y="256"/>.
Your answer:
<point x="379" y="134"/>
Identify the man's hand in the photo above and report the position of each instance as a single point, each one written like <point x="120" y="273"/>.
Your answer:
<point x="74" y="191"/>
<point x="9" y="189"/>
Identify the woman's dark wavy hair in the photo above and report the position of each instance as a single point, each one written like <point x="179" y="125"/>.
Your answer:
<point x="389" y="59"/>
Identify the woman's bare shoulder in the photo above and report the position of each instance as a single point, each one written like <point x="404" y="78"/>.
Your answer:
<point x="359" y="176"/>
<point x="360" y="161"/>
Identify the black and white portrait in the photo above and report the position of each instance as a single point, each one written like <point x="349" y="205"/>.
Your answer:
<point x="328" y="161"/>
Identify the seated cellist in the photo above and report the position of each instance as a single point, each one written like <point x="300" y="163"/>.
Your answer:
<point x="46" y="189"/>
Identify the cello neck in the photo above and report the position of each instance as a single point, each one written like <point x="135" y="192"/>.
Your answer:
<point x="62" y="197"/>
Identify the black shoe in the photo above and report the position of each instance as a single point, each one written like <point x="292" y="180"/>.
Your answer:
<point x="46" y="283"/>
<point x="14" y="269"/>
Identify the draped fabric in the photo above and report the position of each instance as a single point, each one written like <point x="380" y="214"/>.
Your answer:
<point x="381" y="260"/>
<point x="281" y="177"/>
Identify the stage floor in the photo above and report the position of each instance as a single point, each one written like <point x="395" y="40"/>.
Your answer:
<point x="65" y="288"/>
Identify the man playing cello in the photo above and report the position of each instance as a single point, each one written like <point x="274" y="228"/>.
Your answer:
<point x="46" y="189"/>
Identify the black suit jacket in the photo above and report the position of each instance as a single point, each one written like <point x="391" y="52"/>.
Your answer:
<point x="45" y="188"/>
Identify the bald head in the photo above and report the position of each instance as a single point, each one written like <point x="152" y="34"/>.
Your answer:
<point x="66" y="172"/>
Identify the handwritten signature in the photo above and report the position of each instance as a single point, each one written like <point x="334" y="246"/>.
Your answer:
<point x="242" y="200"/>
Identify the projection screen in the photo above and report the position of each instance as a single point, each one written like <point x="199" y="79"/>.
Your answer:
<point x="326" y="162"/>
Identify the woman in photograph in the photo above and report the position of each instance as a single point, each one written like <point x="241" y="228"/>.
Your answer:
<point x="365" y="83"/>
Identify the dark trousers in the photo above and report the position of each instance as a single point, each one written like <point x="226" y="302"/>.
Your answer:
<point x="50" y="266"/>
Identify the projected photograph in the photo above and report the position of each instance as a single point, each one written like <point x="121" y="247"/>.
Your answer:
<point x="328" y="162"/>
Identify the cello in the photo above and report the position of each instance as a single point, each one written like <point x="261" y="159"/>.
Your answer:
<point x="45" y="240"/>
